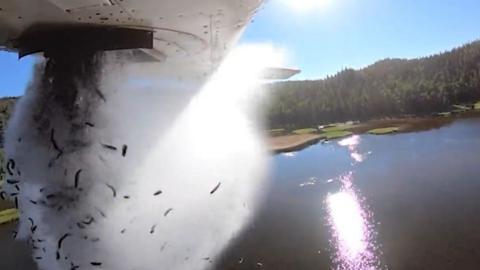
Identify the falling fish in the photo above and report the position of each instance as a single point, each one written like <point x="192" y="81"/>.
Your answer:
<point x="100" y="94"/>
<point x="77" y="178"/>
<point x="124" y="150"/>
<point x="113" y="190"/>
<point x="152" y="230"/>
<point x="60" y="241"/>
<point x="55" y="145"/>
<point x="215" y="188"/>
<point x="12" y="181"/>
<point x="109" y="147"/>
<point x="10" y="166"/>
<point x="88" y="221"/>
<point x="167" y="212"/>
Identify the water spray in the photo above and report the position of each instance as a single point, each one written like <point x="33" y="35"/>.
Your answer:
<point x="108" y="174"/>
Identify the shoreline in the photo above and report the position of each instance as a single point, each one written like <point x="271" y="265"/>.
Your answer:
<point x="294" y="142"/>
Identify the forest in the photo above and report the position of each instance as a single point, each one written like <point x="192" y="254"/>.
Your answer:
<point x="388" y="88"/>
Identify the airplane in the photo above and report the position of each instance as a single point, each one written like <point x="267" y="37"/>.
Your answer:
<point x="195" y="33"/>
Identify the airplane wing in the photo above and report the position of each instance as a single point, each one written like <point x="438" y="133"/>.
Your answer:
<point x="200" y="31"/>
<point x="279" y="73"/>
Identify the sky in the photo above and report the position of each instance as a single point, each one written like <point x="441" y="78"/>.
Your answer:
<point x="321" y="37"/>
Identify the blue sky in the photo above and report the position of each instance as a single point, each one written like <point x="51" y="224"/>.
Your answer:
<point x="334" y="34"/>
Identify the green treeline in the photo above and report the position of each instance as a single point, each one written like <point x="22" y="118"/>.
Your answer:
<point x="6" y="108"/>
<point x="388" y="88"/>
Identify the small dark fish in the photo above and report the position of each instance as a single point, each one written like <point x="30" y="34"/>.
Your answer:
<point x="167" y="212"/>
<point x="122" y="231"/>
<point x="62" y="239"/>
<point x="157" y="193"/>
<point x="206" y="259"/>
<point x="58" y="255"/>
<point x="96" y="263"/>
<point x="40" y="240"/>
<point x="12" y="181"/>
<point x="152" y="230"/>
<point x="101" y="212"/>
<point x="14" y="234"/>
<point x="88" y="221"/>
<point x="100" y="94"/>
<point x="19" y="173"/>
<point x="77" y="177"/>
<point x="33" y="229"/>
<point x="10" y="166"/>
<point x="33" y="202"/>
<point x="17" y="187"/>
<point x="126" y="197"/>
<point x="124" y="150"/>
<point x="215" y="188"/>
<point x="54" y="143"/>
<point x="14" y="194"/>
<point x="80" y="225"/>
<point x="16" y="202"/>
<point x="96" y="239"/>
<point x="73" y="266"/>
<point x="113" y="190"/>
<point x="41" y="190"/>
<point x="89" y="124"/>
<point x="109" y="147"/>
<point x="31" y="221"/>
<point x="50" y="196"/>
<point x="2" y="195"/>
<point x="38" y="258"/>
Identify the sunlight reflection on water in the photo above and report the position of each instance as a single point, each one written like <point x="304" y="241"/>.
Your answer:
<point x="351" y="222"/>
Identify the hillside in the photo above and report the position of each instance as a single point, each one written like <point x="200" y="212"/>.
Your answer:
<point x="6" y="107"/>
<point x="388" y="88"/>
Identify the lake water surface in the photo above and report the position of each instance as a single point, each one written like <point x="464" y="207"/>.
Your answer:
<point x="404" y="201"/>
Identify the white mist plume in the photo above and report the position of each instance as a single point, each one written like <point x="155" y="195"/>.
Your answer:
<point x="190" y="180"/>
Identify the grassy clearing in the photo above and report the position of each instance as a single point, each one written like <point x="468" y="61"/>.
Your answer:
<point x="337" y="127"/>
<point x="381" y="131"/>
<point x="476" y="106"/>
<point x="445" y="114"/>
<point x="9" y="215"/>
<point x="2" y="167"/>
<point x="336" y="134"/>
<point x="305" y="131"/>
<point x="276" y="132"/>
<point x="461" y="107"/>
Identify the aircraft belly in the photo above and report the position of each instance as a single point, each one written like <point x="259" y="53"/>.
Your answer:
<point x="204" y="30"/>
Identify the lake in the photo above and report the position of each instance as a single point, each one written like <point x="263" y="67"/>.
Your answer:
<point x="403" y="201"/>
